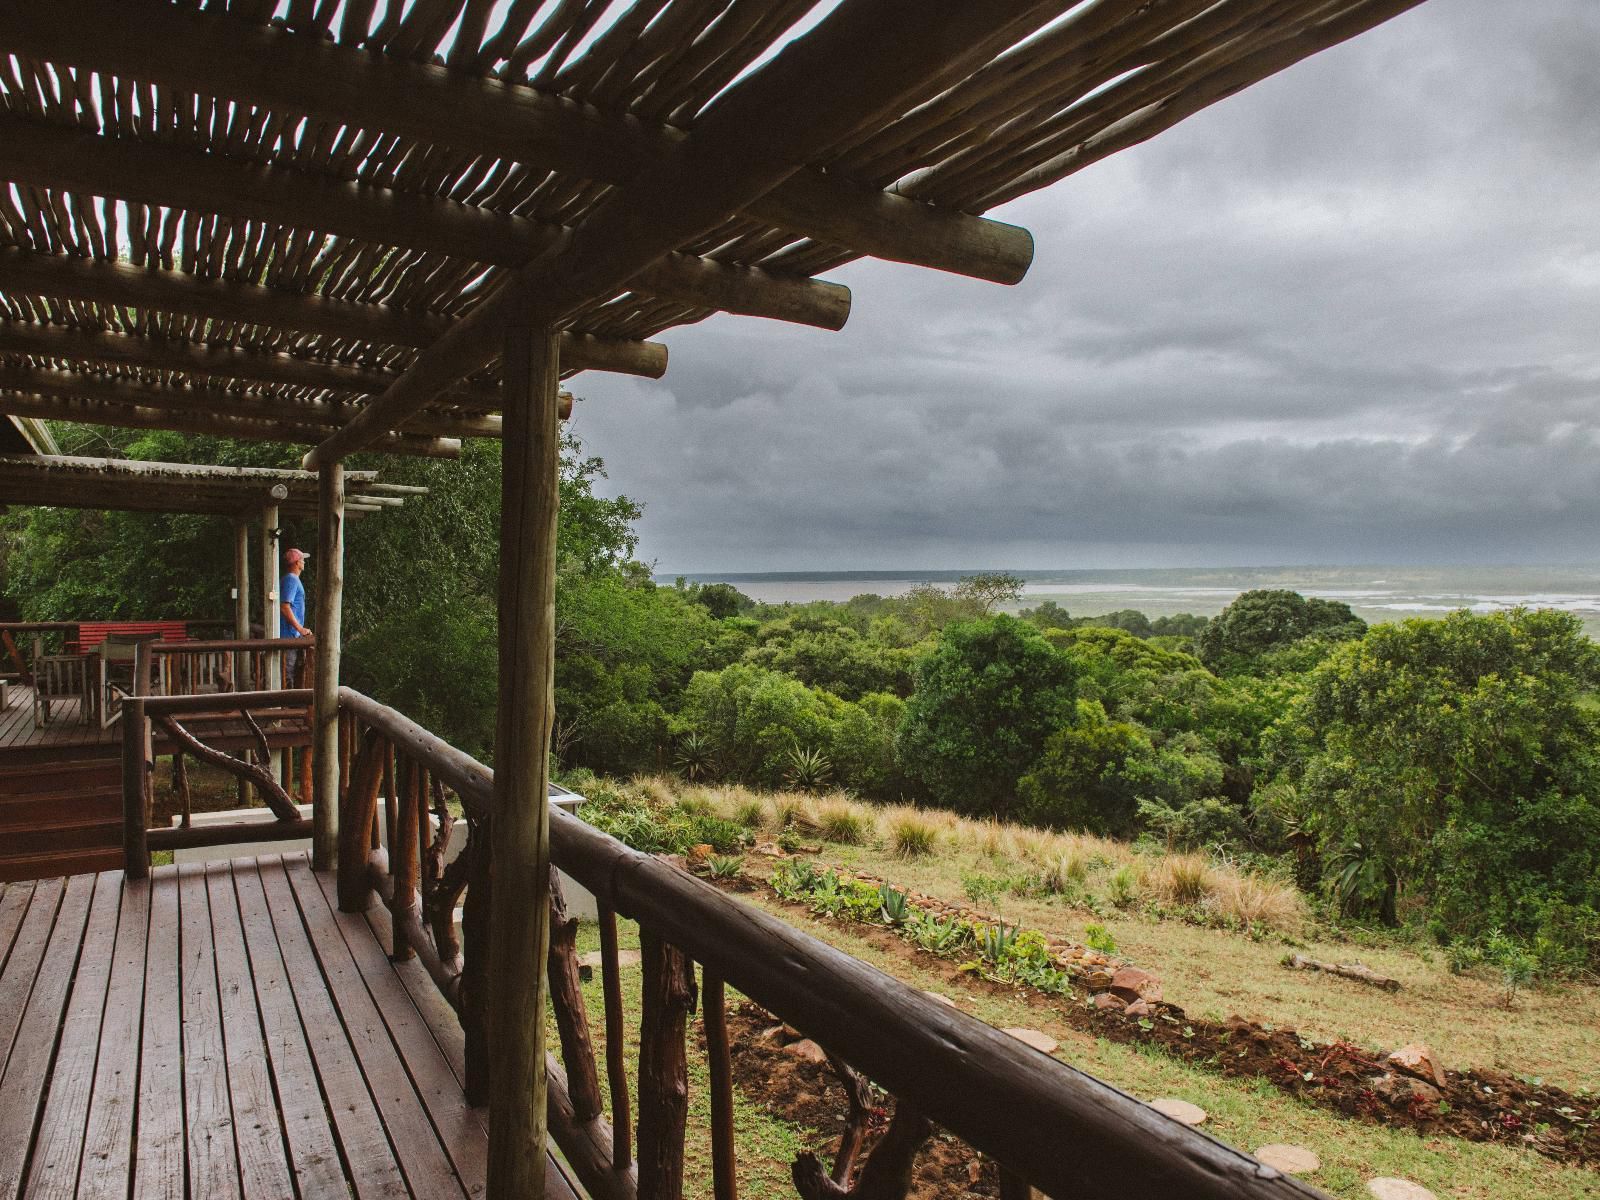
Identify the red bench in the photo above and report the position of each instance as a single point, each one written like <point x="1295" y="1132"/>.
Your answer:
<point x="92" y="633"/>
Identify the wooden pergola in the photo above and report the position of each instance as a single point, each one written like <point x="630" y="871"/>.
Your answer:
<point x="371" y="227"/>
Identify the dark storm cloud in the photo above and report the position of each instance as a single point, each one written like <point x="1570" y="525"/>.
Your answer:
<point x="1350" y="314"/>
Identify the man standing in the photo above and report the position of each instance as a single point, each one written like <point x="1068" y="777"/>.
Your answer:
<point x="292" y="607"/>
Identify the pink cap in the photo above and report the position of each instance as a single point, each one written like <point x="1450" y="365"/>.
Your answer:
<point x="294" y="556"/>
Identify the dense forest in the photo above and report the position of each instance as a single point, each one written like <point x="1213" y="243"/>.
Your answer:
<point x="1441" y="775"/>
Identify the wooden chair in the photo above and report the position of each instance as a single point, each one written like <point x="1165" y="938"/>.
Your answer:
<point x="119" y="656"/>
<point x="59" y="677"/>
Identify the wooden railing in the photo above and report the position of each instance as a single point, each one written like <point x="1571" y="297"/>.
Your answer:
<point x="1050" y="1127"/>
<point x="199" y="726"/>
<point x="234" y="665"/>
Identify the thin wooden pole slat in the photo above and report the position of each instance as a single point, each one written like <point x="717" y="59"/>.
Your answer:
<point x="724" y="1164"/>
<point x="616" y="1041"/>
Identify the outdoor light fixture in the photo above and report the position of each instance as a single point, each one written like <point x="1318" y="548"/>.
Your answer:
<point x="280" y="491"/>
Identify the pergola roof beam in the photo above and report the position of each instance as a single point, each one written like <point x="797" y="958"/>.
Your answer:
<point x="130" y="416"/>
<point x="226" y="300"/>
<point x="873" y="55"/>
<point x="44" y="381"/>
<point x="215" y="55"/>
<point x="198" y="358"/>
<point x="150" y="172"/>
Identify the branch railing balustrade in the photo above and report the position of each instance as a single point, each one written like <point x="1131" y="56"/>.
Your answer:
<point x="193" y="726"/>
<point x="1049" y="1126"/>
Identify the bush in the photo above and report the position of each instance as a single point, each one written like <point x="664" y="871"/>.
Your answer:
<point x="843" y="824"/>
<point x="986" y="700"/>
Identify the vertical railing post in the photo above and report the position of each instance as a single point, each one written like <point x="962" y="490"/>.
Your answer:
<point x="325" y="684"/>
<point x="135" y="789"/>
<point x="519" y="928"/>
<point x="272" y="671"/>
<point x="403" y="864"/>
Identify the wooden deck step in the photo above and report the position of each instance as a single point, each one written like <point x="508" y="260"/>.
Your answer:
<point x="61" y="837"/>
<point x="28" y="812"/>
<point x="47" y="866"/>
<point x="31" y="778"/>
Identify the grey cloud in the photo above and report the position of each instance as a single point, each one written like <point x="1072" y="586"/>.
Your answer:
<point x="1347" y="315"/>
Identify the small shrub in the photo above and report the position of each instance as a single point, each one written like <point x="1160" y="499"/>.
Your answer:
<point x="695" y="758"/>
<point x="807" y="769"/>
<point x="789" y="840"/>
<point x="1255" y="901"/>
<point x="983" y="890"/>
<point x="748" y="813"/>
<point x="1124" y="886"/>
<point x="1098" y="937"/>
<point x="893" y="905"/>
<point x="912" y="837"/>
<point x="995" y="941"/>
<point x="784" y="812"/>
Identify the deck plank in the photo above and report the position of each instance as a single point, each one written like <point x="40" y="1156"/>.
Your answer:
<point x="258" y="1136"/>
<point x="427" y="1167"/>
<point x="158" y="1172"/>
<point x="108" y="1139"/>
<point x="14" y="898"/>
<point x="58" y="1145"/>
<point x="208" y="1108"/>
<point x="463" y="1130"/>
<point x="22" y="965"/>
<point x="313" y="1148"/>
<point x="28" y="1067"/>
<point x="371" y="1160"/>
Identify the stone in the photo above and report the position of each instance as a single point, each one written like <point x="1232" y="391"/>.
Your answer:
<point x="1179" y="1110"/>
<point x="1403" y="1089"/>
<point x="1098" y="981"/>
<point x="1132" y="984"/>
<point x="1416" y="1059"/>
<point x="774" y="1035"/>
<point x="1139" y="1008"/>
<point x="700" y="851"/>
<point x="1399" y="1189"/>
<point x="1106" y="1001"/>
<point x="807" y="1051"/>
<point x="1291" y="1160"/>
<point x="941" y="998"/>
<point x="1032" y="1037"/>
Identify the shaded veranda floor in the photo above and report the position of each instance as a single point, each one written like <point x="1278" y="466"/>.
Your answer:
<point x="222" y="1030"/>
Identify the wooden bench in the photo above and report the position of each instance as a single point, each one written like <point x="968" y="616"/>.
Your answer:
<point x="92" y="633"/>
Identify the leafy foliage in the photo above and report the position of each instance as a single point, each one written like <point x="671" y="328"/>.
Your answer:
<point x="986" y="700"/>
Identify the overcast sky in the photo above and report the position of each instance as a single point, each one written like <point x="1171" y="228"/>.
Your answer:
<point x="1349" y="315"/>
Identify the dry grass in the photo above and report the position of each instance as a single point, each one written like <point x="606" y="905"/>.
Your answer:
<point x="912" y="836"/>
<point x="1181" y="878"/>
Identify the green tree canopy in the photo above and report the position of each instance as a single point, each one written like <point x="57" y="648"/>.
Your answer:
<point x="986" y="699"/>
<point x="1261" y="621"/>
<point x="1455" y="761"/>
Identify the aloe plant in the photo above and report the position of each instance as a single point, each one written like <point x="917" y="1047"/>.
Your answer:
<point x="893" y="905"/>
<point x="809" y="769"/>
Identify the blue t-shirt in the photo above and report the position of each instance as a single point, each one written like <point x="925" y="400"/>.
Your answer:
<point x="293" y="593"/>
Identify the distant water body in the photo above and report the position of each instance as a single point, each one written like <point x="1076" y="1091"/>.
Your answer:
<point x="1379" y="593"/>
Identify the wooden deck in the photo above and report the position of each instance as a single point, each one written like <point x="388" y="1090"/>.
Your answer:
<point x="222" y="1031"/>
<point x="65" y="727"/>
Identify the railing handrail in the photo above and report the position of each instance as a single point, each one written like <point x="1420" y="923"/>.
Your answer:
<point x="233" y="644"/>
<point x="1079" y="1134"/>
<point x="223" y="703"/>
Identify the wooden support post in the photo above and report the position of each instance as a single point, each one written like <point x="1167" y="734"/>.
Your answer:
<point x="520" y="839"/>
<point x="135" y="789"/>
<point x="519" y="932"/>
<point x="354" y="849"/>
<point x="616" y="1064"/>
<point x="325" y="685"/>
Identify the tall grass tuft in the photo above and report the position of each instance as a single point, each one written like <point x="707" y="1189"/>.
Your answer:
<point x="1255" y="901"/>
<point x="841" y="822"/>
<point x="912" y="837"/>
<point x="1182" y="878"/>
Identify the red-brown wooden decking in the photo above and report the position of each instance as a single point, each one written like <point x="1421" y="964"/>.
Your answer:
<point x="222" y="1031"/>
